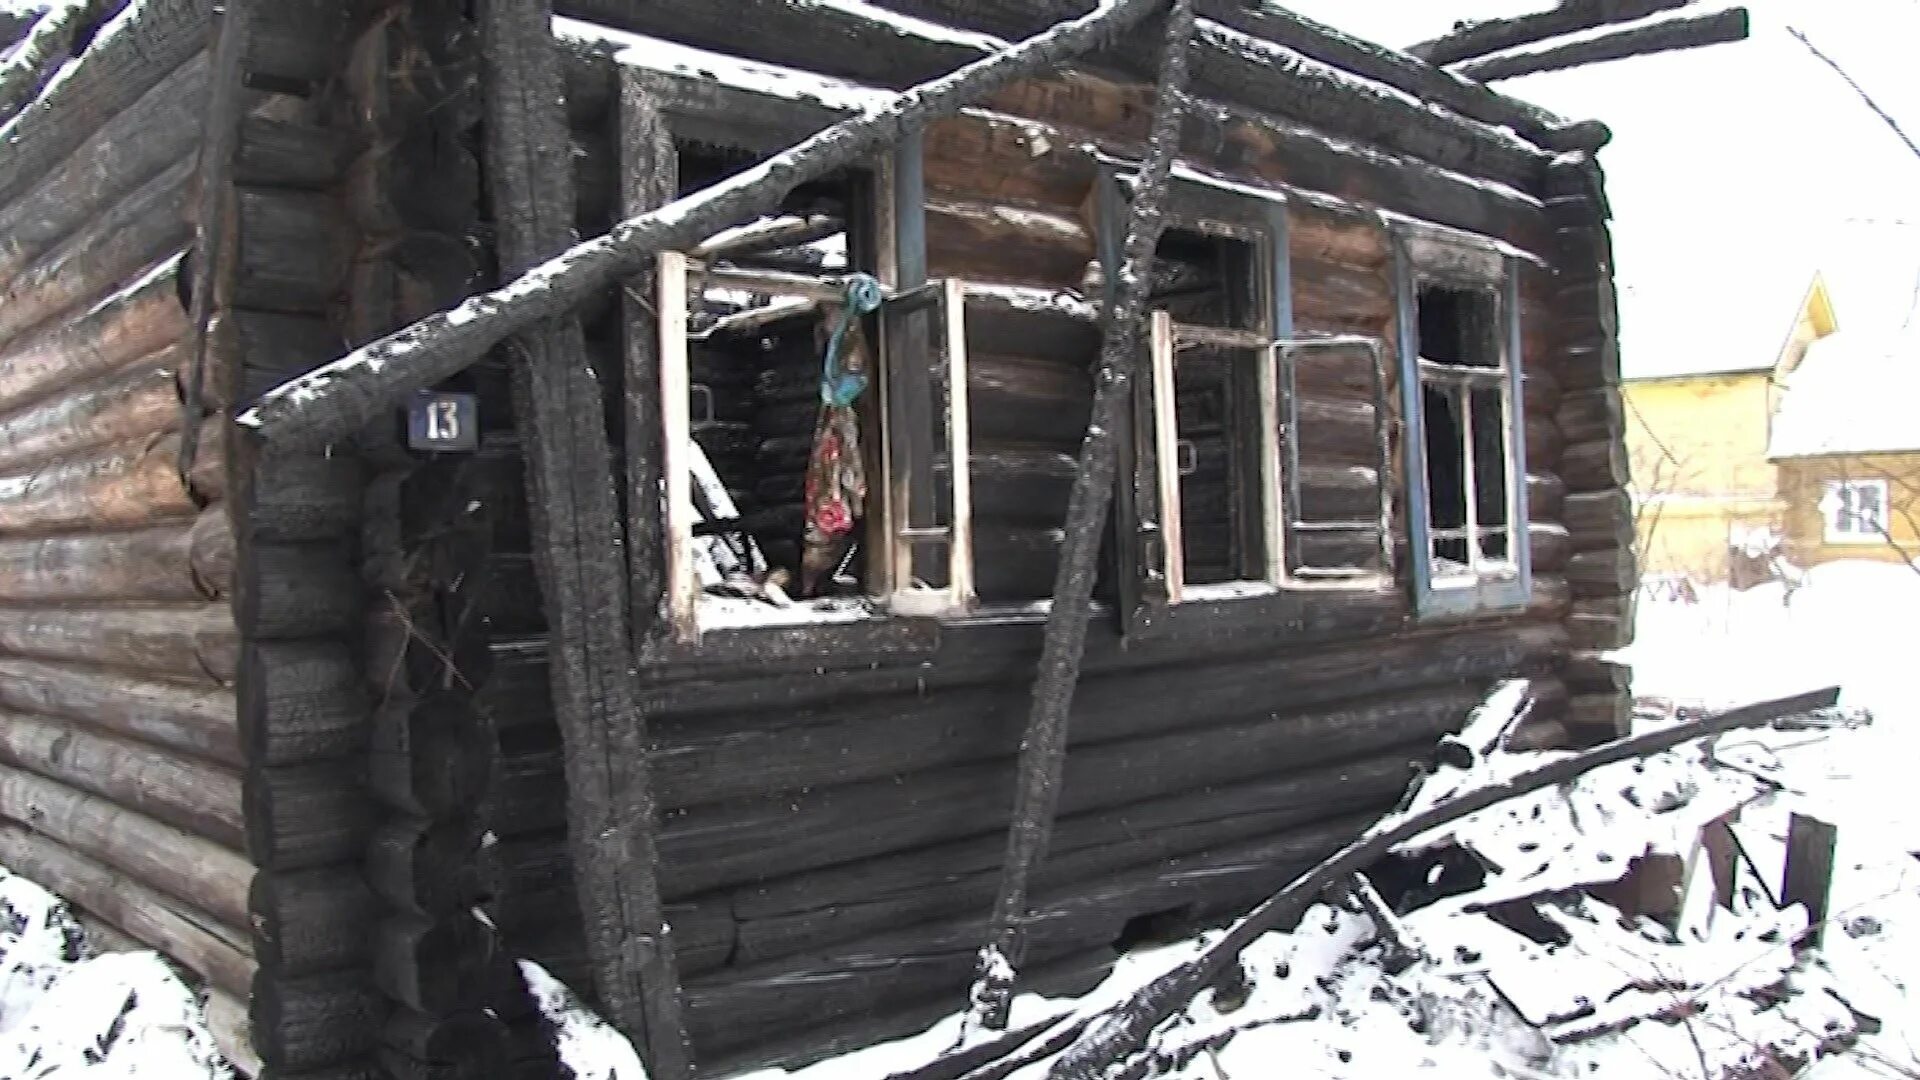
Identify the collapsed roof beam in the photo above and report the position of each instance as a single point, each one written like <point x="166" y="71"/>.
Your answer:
<point x="1471" y="39"/>
<point x="1667" y="35"/>
<point x="336" y="400"/>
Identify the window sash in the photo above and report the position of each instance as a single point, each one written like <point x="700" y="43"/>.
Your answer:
<point x="1488" y="584"/>
<point x="1846" y="522"/>
<point x="1290" y="522"/>
<point x="901" y="385"/>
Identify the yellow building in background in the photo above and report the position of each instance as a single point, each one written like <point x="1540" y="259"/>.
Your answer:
<point x="1699" y="430"/>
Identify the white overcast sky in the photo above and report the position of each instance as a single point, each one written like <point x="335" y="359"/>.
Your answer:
<point x="1735" y="170"/>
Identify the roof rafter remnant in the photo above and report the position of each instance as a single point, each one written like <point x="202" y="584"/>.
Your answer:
<point x="337" y="399"/>
<point x="1666" y="35"/>
<point x="1470" y="39"/>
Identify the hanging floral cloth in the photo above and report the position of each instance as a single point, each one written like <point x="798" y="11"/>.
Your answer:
<point x="836" y="491"/>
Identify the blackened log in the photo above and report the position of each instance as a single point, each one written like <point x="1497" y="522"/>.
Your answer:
<point x="1044" y="747"/>
<point x="1595" y="466"/>
<point x="467" y="1045"/>
<point x="1470" y="39"/>
<point x="706" y="757"/>
<point x="992" y="157"/>
<point x="304" y="701"/>
<point x="1605" y="572"/>
<point x="290" y="253"/>
<point x="910" y="888"/>
<point x="299" y="591"/>
<point x="144" y="317"/>
<point x="760" y="839"/>
<point x="196" y="643"/>
<point x="1592" y="415"/>
<point x="214" y="952"/>
<point x="125" y="59"/>
<point x="1667" y="35"/>
<point x="434" y="759"/>
<point x="342" y="397"/>
<point x="281" y="153"/>
<point x="434" y="964"/>
<point x="314" y="1021"/>
<point x="427" y="866"/>
<point x="576" y="527"/>
<point x="190" y="868"/>
<point x="197" y="720"/>
<point x="1128" y="1024"/>
<point x="311" y="921"/>
<point x="193" y="794"/>
<point x="298" y="497"/>
<point x="301" y="816"/>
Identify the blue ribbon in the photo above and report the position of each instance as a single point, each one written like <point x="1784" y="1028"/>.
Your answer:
<point x="861" y="297"/>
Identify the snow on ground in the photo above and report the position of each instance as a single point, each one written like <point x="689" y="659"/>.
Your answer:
<point x="1722" y="994"/>
<point x="67" y="1014"/>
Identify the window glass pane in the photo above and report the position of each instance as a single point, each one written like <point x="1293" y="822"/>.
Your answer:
<point x="1217" y="416"/>
<point x="1490" y="470"/>
<point x="1446" y="476"/>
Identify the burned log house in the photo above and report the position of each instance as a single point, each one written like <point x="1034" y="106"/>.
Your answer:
<point x="736" y="556"/>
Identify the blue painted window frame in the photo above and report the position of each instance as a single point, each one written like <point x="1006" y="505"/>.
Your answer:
<point x="1486" y="594"/>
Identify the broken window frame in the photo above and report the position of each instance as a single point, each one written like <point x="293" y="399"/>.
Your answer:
<point x="1427" y="254"/>
<point x="1838" y="509"/>
<point x="1147" y="515"/>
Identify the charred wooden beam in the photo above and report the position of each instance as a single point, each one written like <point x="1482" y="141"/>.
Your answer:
<point x="1470" y="39"/>
<point x="310" y="921"/>
<point x="577" y="532"/>
<point x="1667" y="35"/>
<point x="342" y="397"/>
<point x="1043" y="750"/>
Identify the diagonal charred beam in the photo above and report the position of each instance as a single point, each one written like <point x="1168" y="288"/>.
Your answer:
<point x="338" y="399"/>
<point x="1044" y="748"/>
<point x="1470" y="39"/>
<point x="1667" y="35"/>
<point x="611" y="812"/>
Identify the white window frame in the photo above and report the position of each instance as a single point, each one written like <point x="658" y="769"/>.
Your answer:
<point x="1830" y="511"/>
<point x="683" y="462"/>
<point x="1433" y="254"/>
<point x="1272" y="341"/>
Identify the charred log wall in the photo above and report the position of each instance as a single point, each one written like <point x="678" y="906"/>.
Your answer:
<point x="835" y="821"/>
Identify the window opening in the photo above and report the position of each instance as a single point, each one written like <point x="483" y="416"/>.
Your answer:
<point x="1460" y="367"/>
<point x="804" y="411"/>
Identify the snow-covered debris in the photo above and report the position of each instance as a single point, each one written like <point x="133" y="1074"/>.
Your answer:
<point x="588" y="1045"/>
<point x="65" y="1013"/>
